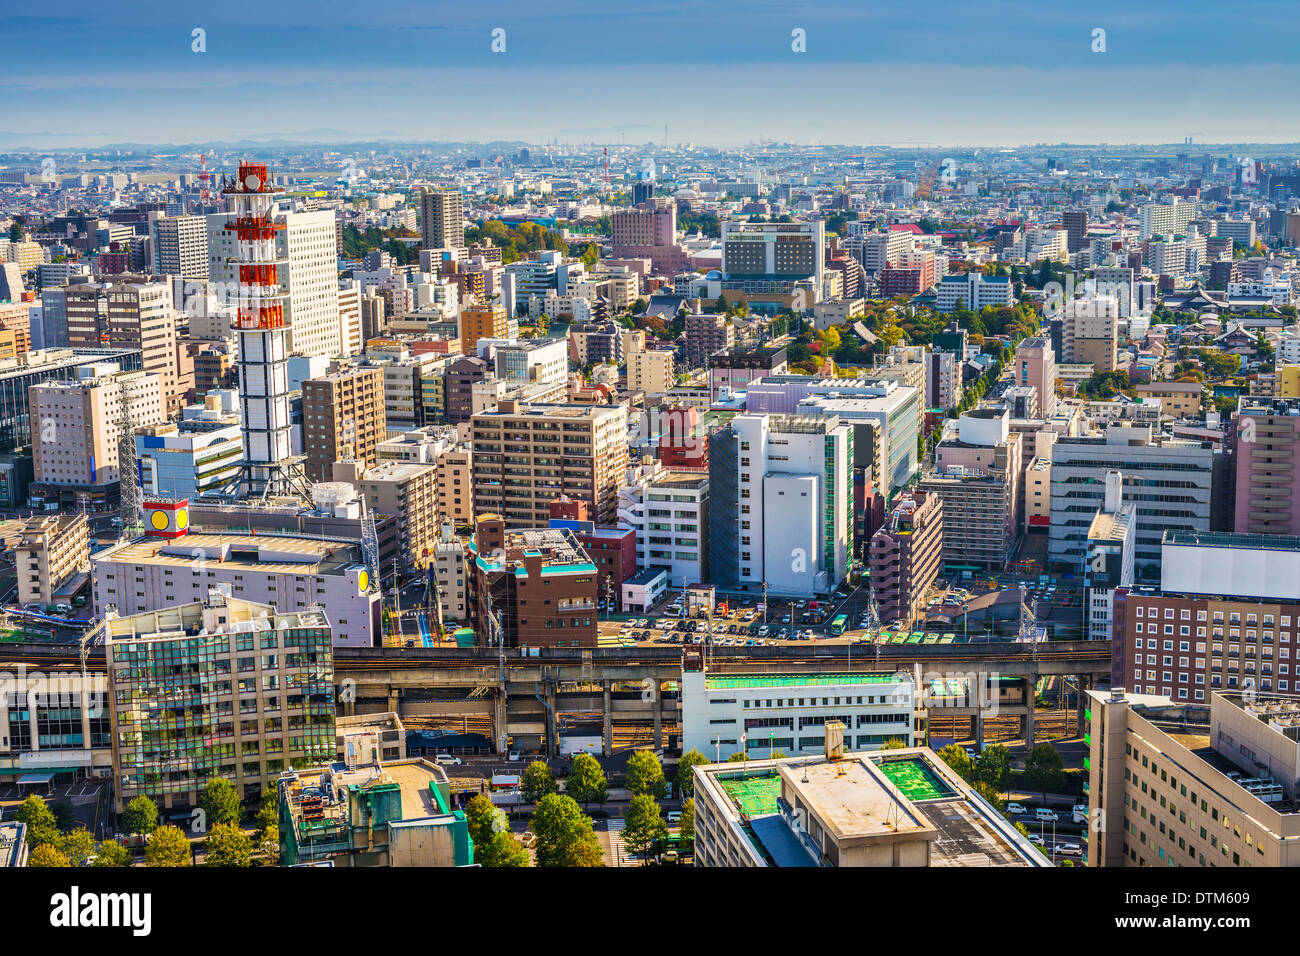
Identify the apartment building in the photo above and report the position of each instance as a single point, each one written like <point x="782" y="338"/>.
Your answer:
<point x="1177" y="399"/>
<point x="179" y="246"/>
<point x="705" y="335"/>
<point x="977" y="477"/>
<point x="974" y="290"/>
<point x="649" y="231"/>
<point x="265" y="681"/>
<point x="1167" y="219"/>
<point x="451" y="574"/>
<point x="409" y="492"/>
<point x="1267" y="461"/>
<point x="442" y="219"/>
<point x="51" y="552"/>
<point x="1109" y="559"/>
<point x="650" y="370"/>
<point x="524" y="456"/>
<point x="344" y="418"/>
<point x="1090" y="332"/>
<point x="537" y="585"/>
<point x="904" y="556"/>
<point x="1034" y="365"/>
<point x="482" y="322"/>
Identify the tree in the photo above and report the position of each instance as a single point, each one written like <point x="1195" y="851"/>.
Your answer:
<point x="639" y="306"/>
<point x="39" y="819"/>
<point x="503" y="849"/>
<point x="47" y="854"/>
<point x="1043" y="769"/>
<point x="989" y="794"/>
<point x="268" y="844"/>
<point x="894" y="743"/>
<point x="220" y="802"/>
<point x="268" y="811"/>
<point x="586" y="780"/>
<point x="537" y="781"/>
<point x="685" y="773"/>
<point x="78" y="846"/>
<point x="738" y="757"/>
<point x="227" y="845"/>
<point x="140" y="816"/>
<point x="645" y="774"/>
<point x="686" y="826"/>
<point x="958" y="760"/>
<point x="644" y="824"/>
<point x="167" y="846"/>
<point x="16" y="232"/>
<point x="482" y="818"/>
<point x="993" y="766"/>
<point x="112" y="853"/>
<point x="564" y="833"/>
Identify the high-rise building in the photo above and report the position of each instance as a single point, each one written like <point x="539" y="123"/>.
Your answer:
<point x="649" y="231"/>
<point x="343" y="418"/>
<point x="705" y="335"/>
<point x="408" y="491"/>
<point x="181" y="718"/>
<point x="442" y="219"/>
<point x="482" y="322"/>
<point x="1090" y="332"/>
<point x="179" y="246"/>
<point x="53" y="550"/>
<point x="1075" y="222"/>
<point x="1167" y="219"/>
<point x="904" y="556"/>
<point x="1267" y="461"/>
<point x="1035" y="365"/>
<point x="526" y="455"/>
<point x="1110" y="556"/>
<point x="669" y="510"/>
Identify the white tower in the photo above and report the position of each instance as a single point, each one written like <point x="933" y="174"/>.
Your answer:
<point x="269" y="468"/>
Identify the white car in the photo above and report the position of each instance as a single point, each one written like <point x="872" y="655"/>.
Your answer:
<point x="514" y="756"/>
<point x="1016" y="808"/>
<point x="1069" y="849"/>
<point x="1036" y="839"/>
<point x="447" y="760"/>
<point x="674" y="816"/>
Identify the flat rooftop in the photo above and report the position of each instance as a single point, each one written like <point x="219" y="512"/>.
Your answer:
<point x="1228" y="539"/>
<point x="289" y="554"/>
<point x="799" y="680"/>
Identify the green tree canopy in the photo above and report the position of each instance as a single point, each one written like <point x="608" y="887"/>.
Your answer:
<point x="685" y="773"/>
<point x="564" y="833"/>
<point x="36" y="814"/>
<point x="111" y="853"/>
<point x="220" y="802"/>
<point x="47" y="854"/>
<point x="586" y="781"/>
<point x="227" y="845"/>
<point x="537" y="781"/>
<point x="167" y="846"/>
<point x="993" y="766"/>
<point x="643" y="824"/>
<point x="957" y="758"/>
<point x="78" y="845"/>
<point x="645" y="775"/>
<point x="1044" y="768"/>
<point x="140" y="816"/>
<point x="686" y="828"/>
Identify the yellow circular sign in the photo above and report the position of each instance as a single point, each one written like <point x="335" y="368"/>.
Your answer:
<point x="363" y="582"/>
<point x="159" y="520"/>
<point x="183" y="518"/>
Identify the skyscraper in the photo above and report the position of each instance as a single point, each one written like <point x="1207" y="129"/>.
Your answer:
<point x="179" y="246"/>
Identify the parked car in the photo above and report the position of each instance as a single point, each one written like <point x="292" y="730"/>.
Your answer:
<point x="674" y="816"/>
<point x="1079" y="813"/>
<point x="527" y="839"/>
<point x="514" y="756"/>
<point x="1035" y="838"/>
<point x="447" y="760"/>
<point x="1016" y="808"/>
<point x="1044" y="815"/>
<point x="1069" y="849"/>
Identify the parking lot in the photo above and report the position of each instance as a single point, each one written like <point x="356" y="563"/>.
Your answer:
<point x="87" y="798"/>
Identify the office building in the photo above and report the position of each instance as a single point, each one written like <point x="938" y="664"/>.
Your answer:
<point x="733" y="369"/>
<point x="291" y="572"/>
<point x="482" y="322"/>
<point x="179" y="246"/>
<point x="538" y="586"/>
<point x="669" y="512"/>
<point x="888" y="809"/>
<point x="343" y="419"/>
<point x="1109" y="559"/>
<point x="649" y="231"/>
<point x="17" y="375"/>
<point x="217" y="688"/>
<point x="774" y="259"/>
<point x="1075" y="222"/>
<point x="781" y="503"/>
<point x="52" y="552"/>
<point x="1178" y="784"/>
<point x="753" y="713"/>
<point x="526" y="455"/>
<point x="974" y="290"/>
<point x="54" y="722"/>
<point x="904" y="556"/>
<point x="1171" y="484"/>
<point x="1090" y="332"/>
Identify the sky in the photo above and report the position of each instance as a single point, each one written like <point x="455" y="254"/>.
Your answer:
<point x="997" y="73"/>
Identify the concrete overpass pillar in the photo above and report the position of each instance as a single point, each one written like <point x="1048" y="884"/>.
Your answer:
<point x="500" y="730"/>
<point x="609" y="719"/>
<point x="981" y="698"/>
<point x="659" y="714"/>
<point x="1031" y="682"/>
<point x="394" y="699"/>
<point x="552" y="722"/>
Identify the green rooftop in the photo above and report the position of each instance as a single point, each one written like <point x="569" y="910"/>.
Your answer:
<point x="801" y="680"/>
<point x="914" y="778"/>
<point x="755" y="794"/>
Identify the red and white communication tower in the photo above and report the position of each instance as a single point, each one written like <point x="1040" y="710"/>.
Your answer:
<point x="269" y="468"/>
<point x="205" y="182"/>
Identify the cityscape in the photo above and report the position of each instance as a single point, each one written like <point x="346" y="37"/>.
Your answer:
<point x="378" y="494"/>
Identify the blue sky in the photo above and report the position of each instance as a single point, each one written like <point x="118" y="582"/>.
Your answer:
<point x="943" y="72"/>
